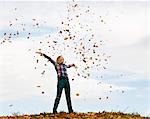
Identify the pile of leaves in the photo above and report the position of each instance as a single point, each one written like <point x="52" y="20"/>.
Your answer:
<point x="89" y="115"/>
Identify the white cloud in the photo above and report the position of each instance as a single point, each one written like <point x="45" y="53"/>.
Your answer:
<point x="52" y="12"/>
<point x="18" y="78"/>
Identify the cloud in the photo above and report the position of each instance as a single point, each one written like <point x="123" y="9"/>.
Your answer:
<point x="22" y="80"/>
<point x="26" y="11"/>
<point x="19" y="78"/>
<point x="29" y="31"/>
<point x="142" y="43"/>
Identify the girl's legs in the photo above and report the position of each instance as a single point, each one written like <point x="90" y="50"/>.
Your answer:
<point x="60" y="86"/>
<point x="63" y="83"/>
<point x="68" y="98"/>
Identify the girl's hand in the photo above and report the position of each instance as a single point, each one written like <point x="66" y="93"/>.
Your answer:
<point x="39" y="53"/>
<point x="74" y="66"/>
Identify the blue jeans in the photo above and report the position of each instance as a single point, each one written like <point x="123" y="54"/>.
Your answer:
<point x="63" y="82"/>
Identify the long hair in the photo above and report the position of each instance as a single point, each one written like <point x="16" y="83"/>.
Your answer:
<point x="58" y="60"/>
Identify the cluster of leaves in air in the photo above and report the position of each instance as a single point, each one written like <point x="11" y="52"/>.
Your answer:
<point x="74" y="36"/>
<point x="17" y="28"/>
<point x="78" y="39"/>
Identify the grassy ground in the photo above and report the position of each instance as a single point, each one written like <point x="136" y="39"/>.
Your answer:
<point x="89" y="115"/>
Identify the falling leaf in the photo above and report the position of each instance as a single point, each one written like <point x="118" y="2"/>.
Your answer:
<point x="84" y="60"/>
<point x="123" y="91"/>
<point x="10" y="105"/>
<point x="75" y="5"/>
<point x="43" y="72"/>
<point x="67" y="30"/>
<point x="72" y="79"/>
<point x="65" y="38"/>
<point x="17" y="33"/>
<point x="95" y="45"/>
<point x="93" y="51"/>
<point x="104" y="67"/>
<point x="54" y="41"/>
<point x="87" y="11"/>
<point x="42" y="92"/>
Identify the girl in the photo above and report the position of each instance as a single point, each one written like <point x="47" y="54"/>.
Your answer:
<point x="63" y="80"/>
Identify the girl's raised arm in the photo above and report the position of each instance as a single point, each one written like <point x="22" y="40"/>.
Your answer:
<point x="49" y="58"/>
<point x="71" y="65"/>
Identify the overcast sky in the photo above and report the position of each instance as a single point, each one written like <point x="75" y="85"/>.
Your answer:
<point x="123" y="86"/>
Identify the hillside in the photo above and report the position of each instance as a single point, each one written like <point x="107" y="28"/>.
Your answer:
<point x="89" y="115"/>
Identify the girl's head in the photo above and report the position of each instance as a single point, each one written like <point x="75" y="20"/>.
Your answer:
<point x="60" y="60"/>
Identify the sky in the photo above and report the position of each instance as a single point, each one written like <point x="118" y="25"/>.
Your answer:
<point x="119" y="81"/>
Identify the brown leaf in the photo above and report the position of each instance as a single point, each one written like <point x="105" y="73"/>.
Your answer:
<point x="65" y="38"/>
<point x="43" y="72"/>
<point x="42" y="92"/>
<point x="54" y="41"/>
<point x="72" y="79"/>
<point x="10" y="105"/>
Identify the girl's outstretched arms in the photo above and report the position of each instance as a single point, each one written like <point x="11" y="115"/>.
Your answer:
<point x="39" y="53"/>
<point x="71" y="65"/>
<point x="49" y="58"/>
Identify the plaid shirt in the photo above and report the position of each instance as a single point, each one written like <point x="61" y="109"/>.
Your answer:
<point x="61" y="69"/>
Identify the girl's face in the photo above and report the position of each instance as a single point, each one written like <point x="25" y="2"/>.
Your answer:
<point x="60" y="60"/>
